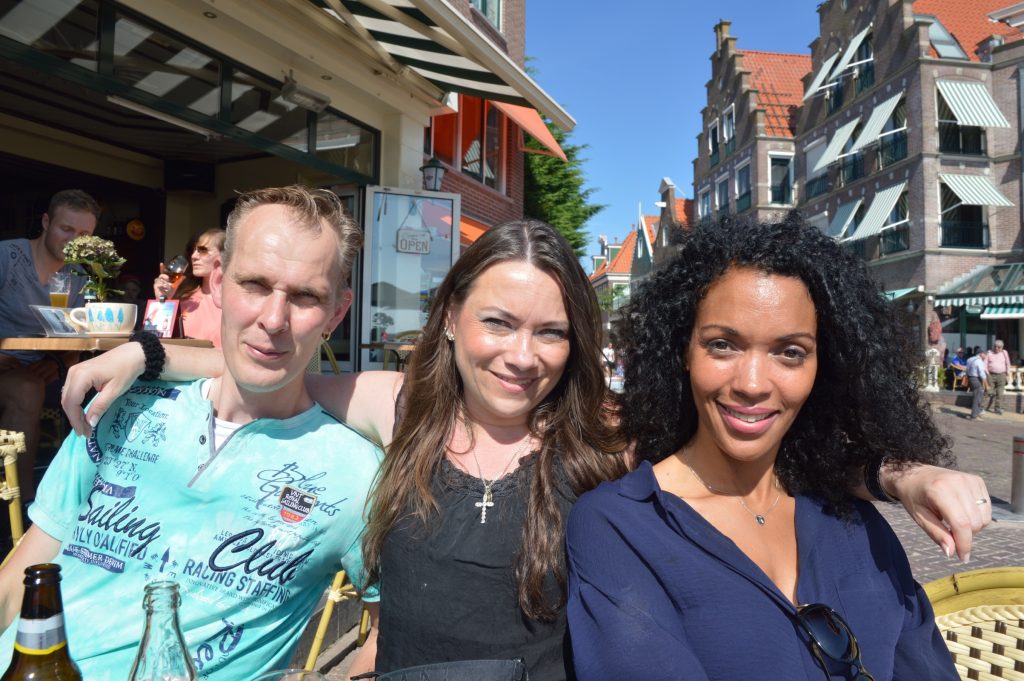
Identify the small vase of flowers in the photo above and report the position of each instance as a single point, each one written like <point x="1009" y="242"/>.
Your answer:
<point x="99" y="258"/>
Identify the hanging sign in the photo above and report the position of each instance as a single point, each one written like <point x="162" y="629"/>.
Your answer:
<point x="413" y="241"/>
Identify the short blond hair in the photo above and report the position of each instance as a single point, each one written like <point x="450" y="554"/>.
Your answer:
<point x="312" y="209"/>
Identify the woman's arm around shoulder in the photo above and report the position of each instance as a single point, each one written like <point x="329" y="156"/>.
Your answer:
<point x="364" y="400"/>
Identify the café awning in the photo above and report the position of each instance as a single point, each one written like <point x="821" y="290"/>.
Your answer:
<point x="971" y="103"/>
<point x="821" y="75"/>
<point x="836" y="144"/>
<point x="850" y="52"/>
<point x="470" y="230"/>
<point x="841" y="221"/>
<point x="1003" y="312"/>
<point x="974" y="190"/>
<point x="876" y="121"/>
<point x="878" y="212"/>
<point x="440" y="44"/>
<point x="990" y="285"/>
<point x="532" y="124"/>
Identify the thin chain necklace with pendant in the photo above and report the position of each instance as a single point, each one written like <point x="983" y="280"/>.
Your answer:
<point x="758" y="517"/>
<point x="487" y="499"/>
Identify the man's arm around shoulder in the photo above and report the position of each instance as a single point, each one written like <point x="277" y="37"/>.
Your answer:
<point x="35" y="547"/>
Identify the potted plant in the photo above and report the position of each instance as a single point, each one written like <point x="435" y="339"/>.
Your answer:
<point x="100" y="261"/>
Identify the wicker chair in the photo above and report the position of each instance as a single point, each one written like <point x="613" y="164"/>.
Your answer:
<point x="341" y="590"/>
<point x="981" y="615"/>
<point x="12" y="444"/>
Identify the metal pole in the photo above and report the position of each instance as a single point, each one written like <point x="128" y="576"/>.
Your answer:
<point x="1017" y="476"/>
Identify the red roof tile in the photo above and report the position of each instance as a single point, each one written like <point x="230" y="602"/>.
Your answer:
<point x="968" y="21"/>
<point x="683" y="214"/>
<point x="778" y="79"/>
<point x="622" y="263"/>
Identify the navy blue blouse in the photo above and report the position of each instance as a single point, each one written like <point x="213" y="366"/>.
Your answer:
<point x="657" y="593"/>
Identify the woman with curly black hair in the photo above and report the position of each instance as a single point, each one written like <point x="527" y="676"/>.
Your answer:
<point x="747" y="396"/>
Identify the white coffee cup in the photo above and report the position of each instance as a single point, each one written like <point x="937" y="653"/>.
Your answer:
<point x="105" y="317"/>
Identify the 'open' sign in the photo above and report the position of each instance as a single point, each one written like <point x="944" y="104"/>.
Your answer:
<point x="413" y="241"/>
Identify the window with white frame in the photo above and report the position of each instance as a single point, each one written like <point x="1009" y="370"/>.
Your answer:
<point x="490" y="9"/>
<point x="729" y="129"/>
<point x="704" y="204"/>
<point x="713" y="138"/>
<point x="781" y="170"/>
<point x="472" y="140"/>
<point x="722" y="196"/>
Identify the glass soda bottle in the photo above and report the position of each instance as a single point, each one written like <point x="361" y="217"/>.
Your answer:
<point x="162" y="653"/>
<point x="41" y="646"/>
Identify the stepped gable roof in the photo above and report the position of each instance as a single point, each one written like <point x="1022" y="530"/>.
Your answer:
<point x="778" y="79"/>
<point x="969" y="22"/>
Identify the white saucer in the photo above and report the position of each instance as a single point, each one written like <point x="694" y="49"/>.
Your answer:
<point x="108" y="334"/>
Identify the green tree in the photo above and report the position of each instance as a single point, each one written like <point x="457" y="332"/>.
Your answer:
<point x="554" y="190"/>
<point x="606" y="297"/>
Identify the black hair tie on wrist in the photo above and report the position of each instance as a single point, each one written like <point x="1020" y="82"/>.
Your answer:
<point x="873" y="481"/>
<point x="153" y="350"/>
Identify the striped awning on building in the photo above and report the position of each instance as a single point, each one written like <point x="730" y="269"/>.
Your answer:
<point x="974" y="190"/>
<point x="836" y="144"/>
<point x="441" y="45"/>
<point x="876" y="121"/>
<point x="1003" y="312"/>
<point x="841" y="220"/>
<point x="971" y="103"/>
<point x="990" y="285"/>
<point x="851" y="52"/>
<point x="821" y="75"/>
<point x="877" y="215"/>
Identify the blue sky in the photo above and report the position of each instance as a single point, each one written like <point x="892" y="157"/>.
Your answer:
<point x="632" y="74"/>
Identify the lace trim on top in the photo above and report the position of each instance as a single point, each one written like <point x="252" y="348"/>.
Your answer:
<point x="453" y="477"/>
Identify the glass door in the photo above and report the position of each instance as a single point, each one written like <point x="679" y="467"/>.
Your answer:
<point x="412" y="239"/>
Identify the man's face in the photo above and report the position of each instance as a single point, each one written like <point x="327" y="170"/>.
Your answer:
<point x="63" y="226"/>
<point x="278" y="295"/>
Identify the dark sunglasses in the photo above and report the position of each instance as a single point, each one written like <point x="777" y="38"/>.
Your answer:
<point x="831" y="636"/>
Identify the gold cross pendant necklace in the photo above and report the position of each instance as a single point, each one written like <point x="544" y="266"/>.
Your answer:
<point x="487" y="500"/>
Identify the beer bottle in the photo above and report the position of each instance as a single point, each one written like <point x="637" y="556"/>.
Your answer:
<point x="162" y="653"/>
<point x="41" y="647"/>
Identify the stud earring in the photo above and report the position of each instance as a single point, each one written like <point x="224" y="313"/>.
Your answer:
<point x="449" y="335"/>
<point x="326" y="336"/>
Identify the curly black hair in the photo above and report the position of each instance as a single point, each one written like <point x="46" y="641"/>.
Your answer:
<point x="864" y="403"/>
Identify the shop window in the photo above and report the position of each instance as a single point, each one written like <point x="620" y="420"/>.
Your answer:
<point x="165" y="67"/>
<point x="257" y="107"/>
<point x="344" y="143"/>
<point x="481" y="141"/>
<point x="490" y="9"/>
<point x="64" y="30"/>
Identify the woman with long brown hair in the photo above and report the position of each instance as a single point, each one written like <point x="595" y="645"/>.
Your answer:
<point x="500" y="421"/>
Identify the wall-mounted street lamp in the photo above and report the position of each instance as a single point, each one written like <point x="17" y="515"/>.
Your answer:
<point x="433" y="173"/>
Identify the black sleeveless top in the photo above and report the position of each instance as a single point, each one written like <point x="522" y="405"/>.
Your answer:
<point x="448" y="590"/>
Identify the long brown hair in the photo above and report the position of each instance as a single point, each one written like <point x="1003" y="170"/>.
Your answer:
<point x="572" y="422"/>
<point x="191" y="283"/>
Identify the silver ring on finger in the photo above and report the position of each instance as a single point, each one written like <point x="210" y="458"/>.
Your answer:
<point x="982" y="501"/>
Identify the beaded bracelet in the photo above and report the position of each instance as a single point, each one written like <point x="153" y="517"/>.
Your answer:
<point x="154" y="353"/>
<point x="873" y="480"/>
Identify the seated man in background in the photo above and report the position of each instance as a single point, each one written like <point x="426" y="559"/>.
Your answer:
<point x="25" y="270"/>
<point x="240" y="488"/>
<point x="958" y="369"/>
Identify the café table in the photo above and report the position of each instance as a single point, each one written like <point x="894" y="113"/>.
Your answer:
<point x="85" y="343"/>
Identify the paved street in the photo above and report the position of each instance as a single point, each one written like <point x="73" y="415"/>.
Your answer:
<point x="981" y="447"/>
